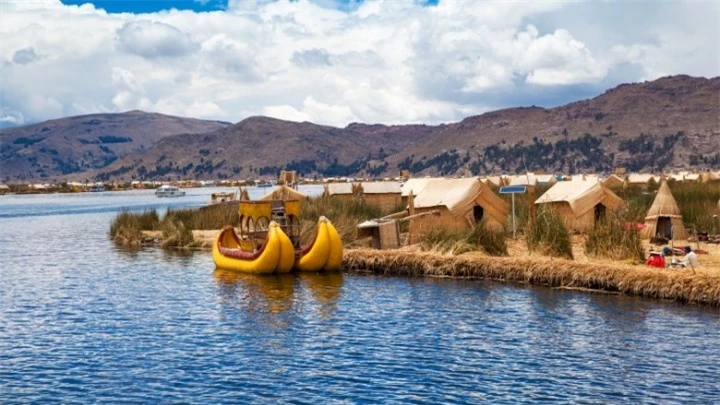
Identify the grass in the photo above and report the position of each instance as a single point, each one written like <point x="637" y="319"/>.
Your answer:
<point x="610" y="238"/>
<point x="456" y="242"/>
<point x="548" y="234"/>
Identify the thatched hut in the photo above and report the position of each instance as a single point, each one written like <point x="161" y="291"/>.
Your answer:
<point x="580" y="203"/>
<point x="461" y="203"/>
<point x="613" y="182"/>
<point x="283" y="192"/>
<point x="345" y="191"/>
<point x="641" y="180"/>
<point x="527" y="179"/>
<point x="546" y="179"/>
<point x="384" y="194"/>
<point x="414" y="185"/>
<point x="664" y="218"/>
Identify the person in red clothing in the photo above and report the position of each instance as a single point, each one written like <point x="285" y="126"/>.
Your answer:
<point x="656" y="259"/>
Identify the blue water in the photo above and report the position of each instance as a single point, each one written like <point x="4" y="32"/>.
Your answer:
<point x="84" y="321"/>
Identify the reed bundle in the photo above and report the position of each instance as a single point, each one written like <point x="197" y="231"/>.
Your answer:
<point x="679" y="285"/>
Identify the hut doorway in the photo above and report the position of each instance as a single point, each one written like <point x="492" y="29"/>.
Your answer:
<point x="664" y="227"/>
<point x="599" y="212"/>
<point x="478" y="213"/>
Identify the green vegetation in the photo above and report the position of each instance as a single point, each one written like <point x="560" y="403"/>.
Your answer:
<point x="344" y="216"/>
<point x="480" y="237"/>
<point x="612" y="238"/>
<point x="548" y="234"/>
<point x="176" y="226"/>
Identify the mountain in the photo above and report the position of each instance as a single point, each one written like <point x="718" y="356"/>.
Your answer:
<point x="77" y="144"/>
<point x="669" y="123"/>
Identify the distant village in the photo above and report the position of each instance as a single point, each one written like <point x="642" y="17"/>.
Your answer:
<point x="365" y="185"/>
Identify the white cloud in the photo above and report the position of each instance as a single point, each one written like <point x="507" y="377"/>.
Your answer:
<point x="393" y="61"/>
<point x="154" y="39"/>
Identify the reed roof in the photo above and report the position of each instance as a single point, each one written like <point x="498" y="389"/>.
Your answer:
<point x="339" y="188"/>
<point x="459" y="195"/>
<point x="641" y="178"/>
<point x="527" y="179"/>
<point x="380" y="187"/>
<point x="415" y="185"/>
<point x="582" y="195"/>
<point x="664" y="204"/>
<point x="283" y="192"/>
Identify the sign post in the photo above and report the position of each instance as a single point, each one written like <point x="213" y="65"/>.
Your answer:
<point x="512" y="190"/>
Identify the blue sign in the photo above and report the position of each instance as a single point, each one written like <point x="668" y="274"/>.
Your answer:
<point x="512" y="189"/>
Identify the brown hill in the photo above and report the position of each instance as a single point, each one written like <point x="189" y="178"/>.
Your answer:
<point x="672" y="122"/>
<point x="77" y="144"/>
<point x="669" y="123"/>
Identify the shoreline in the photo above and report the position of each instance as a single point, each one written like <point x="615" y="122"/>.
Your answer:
<point x="581" y="274"/>
<point x="683" y="285"/>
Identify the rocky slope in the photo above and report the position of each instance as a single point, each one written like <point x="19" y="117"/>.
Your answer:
<point x="667" y="124"/>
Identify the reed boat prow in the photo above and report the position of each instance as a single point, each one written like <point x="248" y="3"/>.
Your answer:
<point x="268" y="258"/>
<point x="324" y="252"/>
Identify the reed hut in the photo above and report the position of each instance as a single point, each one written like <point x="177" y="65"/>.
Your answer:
<point x="664" y="218"/>
<point x="384" y="194"/>
<point x="346" y="191"/>
<point x="641" y="180"/>
<point x="546" y="179"/>
<point x="284" y="192"/>
<point x="580" y="203"/>
<point x="413" y="185"/>
<point x="461" y="204"/>
<point x="613" y="182"/>
<point x="496" y="181"/>
<point x="528" y="179"/>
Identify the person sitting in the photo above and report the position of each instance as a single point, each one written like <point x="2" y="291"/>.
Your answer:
<point x="690" y="259"/>
<point x="656" y="259"/>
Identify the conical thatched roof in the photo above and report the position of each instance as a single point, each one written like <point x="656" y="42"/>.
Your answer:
<point x="664" y="209"/>
<point x="664" y="204"/>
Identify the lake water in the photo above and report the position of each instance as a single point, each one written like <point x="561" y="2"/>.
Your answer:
<point x="82" y="320"/>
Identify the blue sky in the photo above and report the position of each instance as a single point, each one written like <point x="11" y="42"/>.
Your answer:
<point x="144" y="6"/>
<point x="335" y="62"/>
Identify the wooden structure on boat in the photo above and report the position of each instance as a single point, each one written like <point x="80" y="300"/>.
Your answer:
<point x="255" y="217"/>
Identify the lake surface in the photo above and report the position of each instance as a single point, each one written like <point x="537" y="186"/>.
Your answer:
<point x="83" y="321"/>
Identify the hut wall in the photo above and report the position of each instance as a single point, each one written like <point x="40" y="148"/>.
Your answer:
<point x="584" y="222"/>
<point x="422" y="226"/>
<point x="563" y="209"/>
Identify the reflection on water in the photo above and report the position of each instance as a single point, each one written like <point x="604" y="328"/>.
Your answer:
<point x="325" y="289"/>
<point x="274" y="293"/>
<point x="258" y="293"/>
<point x="82" y="320"/>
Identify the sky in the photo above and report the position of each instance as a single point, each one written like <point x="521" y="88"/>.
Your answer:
<point x="334" y="62"/>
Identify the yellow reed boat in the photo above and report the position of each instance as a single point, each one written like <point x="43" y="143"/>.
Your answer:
<point x="324" y="252"/>
<point x="269" y="241"/>
<point x="275" y="255"/>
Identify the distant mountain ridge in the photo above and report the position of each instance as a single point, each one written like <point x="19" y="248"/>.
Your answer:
<point x="669" y="123"/>
<point x="75" y="145"/>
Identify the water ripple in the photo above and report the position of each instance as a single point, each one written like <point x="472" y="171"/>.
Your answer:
<point x="84" y="322"/>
